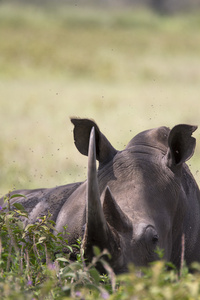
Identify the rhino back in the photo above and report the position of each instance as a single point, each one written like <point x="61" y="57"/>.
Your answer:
<point x="39" y="202"/>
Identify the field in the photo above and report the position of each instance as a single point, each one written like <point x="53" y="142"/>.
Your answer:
<point x="128" y="70"/>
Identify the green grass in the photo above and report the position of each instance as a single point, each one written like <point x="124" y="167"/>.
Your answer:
<point x="108" y="46"/>
<point x="128" y="70"/>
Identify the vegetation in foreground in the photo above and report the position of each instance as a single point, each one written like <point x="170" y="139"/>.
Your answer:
<point x="34" y="266"/>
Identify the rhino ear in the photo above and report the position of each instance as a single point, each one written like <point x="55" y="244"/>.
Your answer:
<point x="181" y="144"/>
<point x="82" y="128"/>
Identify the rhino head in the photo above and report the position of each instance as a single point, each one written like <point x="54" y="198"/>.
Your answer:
<point x="136" y="201"/>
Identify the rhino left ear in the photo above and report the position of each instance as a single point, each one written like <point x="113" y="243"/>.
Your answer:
<point x="181" y="145"/>
<point x="82" y="128"/>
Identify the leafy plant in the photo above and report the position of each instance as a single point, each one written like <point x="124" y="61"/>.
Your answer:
<point x="34" y="262"/>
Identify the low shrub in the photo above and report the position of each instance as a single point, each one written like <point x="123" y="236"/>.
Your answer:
<point x="36" y="264"/>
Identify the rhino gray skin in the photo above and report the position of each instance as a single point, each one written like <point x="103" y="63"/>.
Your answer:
<point x="140" y="198"/>
<point x="39" y="202"/>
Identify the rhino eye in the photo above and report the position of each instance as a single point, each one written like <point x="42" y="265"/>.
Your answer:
<point x="151" y="236"/>
<point x="155" y="239"/>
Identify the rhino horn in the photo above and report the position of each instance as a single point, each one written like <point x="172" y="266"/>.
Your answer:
<point x="97" y="231"/>
<point x="114" y="215"/>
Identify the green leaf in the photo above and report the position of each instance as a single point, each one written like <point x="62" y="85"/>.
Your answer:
<point x="62" y="259"/>
<point x="41" y="240"/>
<point x="76" y="246"/>
<point x="70" y="275"/>
<point x="22" y="214"/>
<point x="51" y="227"/>
<point x="96" y="251"/>
<point x="29" y="226"/>
<point x="69" y="248"/>
<point x="44" y="227"/>
<point x="19" y="206"/>
<point x="17" y="195"/>
<point x="95" y="275"/>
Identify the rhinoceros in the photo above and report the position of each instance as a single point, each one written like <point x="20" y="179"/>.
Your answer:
<point x="140" y="198"/>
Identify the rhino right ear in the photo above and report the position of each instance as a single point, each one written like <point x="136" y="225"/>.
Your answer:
<point x="82" y="128"/>
<point x="181" y="145"/>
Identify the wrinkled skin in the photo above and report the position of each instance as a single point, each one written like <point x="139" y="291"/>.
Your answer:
<point x="140" y="198"/>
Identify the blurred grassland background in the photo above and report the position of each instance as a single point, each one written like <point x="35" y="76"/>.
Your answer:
<point x="127" y="69"/>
